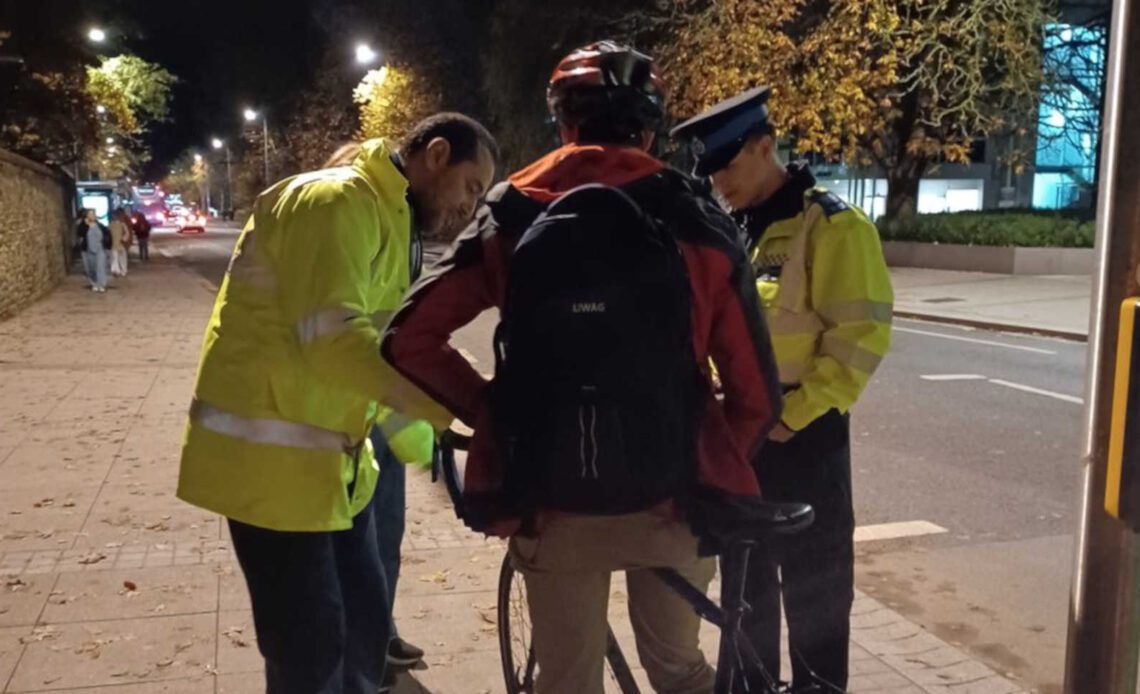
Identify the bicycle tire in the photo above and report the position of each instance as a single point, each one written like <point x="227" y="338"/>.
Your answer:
<point x="518" y="677"/>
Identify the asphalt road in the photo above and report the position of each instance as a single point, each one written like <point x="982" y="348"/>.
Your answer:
<point x="965" y="474"/>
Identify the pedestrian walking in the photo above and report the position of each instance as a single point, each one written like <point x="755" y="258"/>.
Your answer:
<point x="94" y="243"/>
<point x="291" y="382"/>
<point x="141" y="228"/>
<point x="120" y="242"/>
<point x="827" y="296"/>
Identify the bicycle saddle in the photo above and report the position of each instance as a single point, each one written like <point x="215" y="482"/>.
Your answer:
<point x="749" y="520"/>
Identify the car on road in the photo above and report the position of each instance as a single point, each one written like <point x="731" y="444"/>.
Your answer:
<point x="192" y="223"/>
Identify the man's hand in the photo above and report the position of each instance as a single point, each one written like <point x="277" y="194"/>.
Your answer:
<point x="781" y="433"/>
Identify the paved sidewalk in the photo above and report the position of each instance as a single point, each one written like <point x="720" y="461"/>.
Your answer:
<point x="109" y="584"/>
<point x="1056" y="304"/>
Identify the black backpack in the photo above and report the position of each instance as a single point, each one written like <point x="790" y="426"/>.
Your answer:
<point x="597" y="390"/>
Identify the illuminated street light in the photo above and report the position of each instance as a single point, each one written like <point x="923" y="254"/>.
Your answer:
<point x="97" y="35"/>
<point x="197" y="158"/>
<point x="217" y="144"/>
<point x="364" y="54"/>
<point x="250" y="114"/>
<point x="100" y="109"/>
<point x="110" y="140"/>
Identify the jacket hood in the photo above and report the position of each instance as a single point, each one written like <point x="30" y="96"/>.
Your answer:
<point x="574" y="165"/>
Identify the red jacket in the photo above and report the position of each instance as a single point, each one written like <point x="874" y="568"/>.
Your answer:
<point x="727" y="321"/>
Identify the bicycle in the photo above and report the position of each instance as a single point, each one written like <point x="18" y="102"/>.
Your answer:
<point x="736" y="654"/>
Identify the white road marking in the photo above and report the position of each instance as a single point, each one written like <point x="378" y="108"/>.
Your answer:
<point x="976" y="341"/>
<point x="952" y="377"/>
<point x="1038" y="391"/>
<point x="893" y="531"/>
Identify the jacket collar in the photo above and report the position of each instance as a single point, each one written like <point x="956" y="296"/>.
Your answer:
<point x="787" y="202"/>
<point x="375" y="162"/>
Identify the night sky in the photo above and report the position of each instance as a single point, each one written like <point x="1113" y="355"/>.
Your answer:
<point x="226" y="53"/>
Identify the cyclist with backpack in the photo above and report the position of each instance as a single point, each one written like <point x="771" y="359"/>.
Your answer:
<point x="617" y="279"/>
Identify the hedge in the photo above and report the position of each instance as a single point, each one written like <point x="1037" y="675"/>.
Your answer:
<point x="997" y="228"/>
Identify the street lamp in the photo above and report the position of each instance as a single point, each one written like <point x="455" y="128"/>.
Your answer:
<point x="227" y="194"/>
<point x="110" y="140"/>
<point x="250" y="116"/>
<point x="100" y="109"/>
<point x="96" y="35"/>
<point x="364" y="54"/>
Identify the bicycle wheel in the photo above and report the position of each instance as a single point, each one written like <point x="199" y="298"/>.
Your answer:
<point x="515" y="647"/>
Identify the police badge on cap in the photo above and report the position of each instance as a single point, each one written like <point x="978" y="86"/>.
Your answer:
<point x="717" y="135"/>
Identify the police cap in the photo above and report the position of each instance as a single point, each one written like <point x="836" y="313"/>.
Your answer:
<point x="717" y="135"/>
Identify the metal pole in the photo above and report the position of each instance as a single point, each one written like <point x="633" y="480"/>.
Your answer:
<point x="265" y="146"/>
<point x="229" y="198"/>
<point x="1104" y="610"/>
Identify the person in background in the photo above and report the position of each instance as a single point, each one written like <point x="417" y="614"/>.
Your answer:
<point x="389" y="501"/>
<point x="120" y="242"/>
<point x="141" y="228"/>
<point x="94" y="242"/>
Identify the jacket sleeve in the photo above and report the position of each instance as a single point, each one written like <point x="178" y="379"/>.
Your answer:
<point x="325" y="260"/>
<point x="417" y="342"/>
<point x="851" y="292"/>
<point x="741" y="350"/>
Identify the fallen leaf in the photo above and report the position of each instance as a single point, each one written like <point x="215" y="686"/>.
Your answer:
<point x="69" y="504"/>
<point x="15" y="584"/>
<point x="234" y="634"/>
<point x="44" y="503"/>
<point x="93" y="558"/>
<point x="165" y="663"/>
<point x="130" y="585"/>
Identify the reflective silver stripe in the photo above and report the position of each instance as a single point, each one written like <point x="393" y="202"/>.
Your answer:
<point x="849" y="354"/>
<point x="273" y="432"/>
<point x="329" y="321"/>
<point x="782" y="322"/>
<point x="852" y="311"/>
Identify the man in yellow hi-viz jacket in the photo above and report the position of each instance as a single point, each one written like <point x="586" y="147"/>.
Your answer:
<point x="291" y="381"/>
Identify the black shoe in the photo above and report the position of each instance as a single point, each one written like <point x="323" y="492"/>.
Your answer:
<point x="389" y="684"/>
<point x="403" y="654"/>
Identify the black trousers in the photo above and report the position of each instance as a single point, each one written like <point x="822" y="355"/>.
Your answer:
<point x="813" y="571"/>
<point x="320" y="606"/>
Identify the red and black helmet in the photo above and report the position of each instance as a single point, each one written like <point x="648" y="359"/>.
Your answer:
<point x="606" y="80"/>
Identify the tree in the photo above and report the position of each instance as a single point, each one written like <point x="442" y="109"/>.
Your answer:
<point x="133" y="94"/>
<point x="903" y="84"/>
<point x="45" y="114"/>
<point x="391" y="100"/>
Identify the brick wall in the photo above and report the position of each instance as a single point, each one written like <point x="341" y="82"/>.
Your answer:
<point x="35" y="231"/>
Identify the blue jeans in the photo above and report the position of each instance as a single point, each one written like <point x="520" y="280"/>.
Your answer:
<point x="389" y="505"/>
<point x="95" y="267"/>
<point x="319" y="606"/>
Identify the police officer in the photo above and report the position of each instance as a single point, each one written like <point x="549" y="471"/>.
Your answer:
<point x="828" y="301"/>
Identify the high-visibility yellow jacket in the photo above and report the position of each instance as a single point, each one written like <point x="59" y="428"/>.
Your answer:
<point x="828" y="301"/>
<point x="290" y="375"/>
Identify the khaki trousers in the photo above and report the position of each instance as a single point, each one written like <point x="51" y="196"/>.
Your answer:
<point x="567" y="573"/>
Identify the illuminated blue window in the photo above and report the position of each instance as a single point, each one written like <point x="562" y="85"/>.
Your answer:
<point x="1069" y="114"/>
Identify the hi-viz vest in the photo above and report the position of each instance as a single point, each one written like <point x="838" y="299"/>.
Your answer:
<point x="827" y="297"/>
<point x="290" y="370"/>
